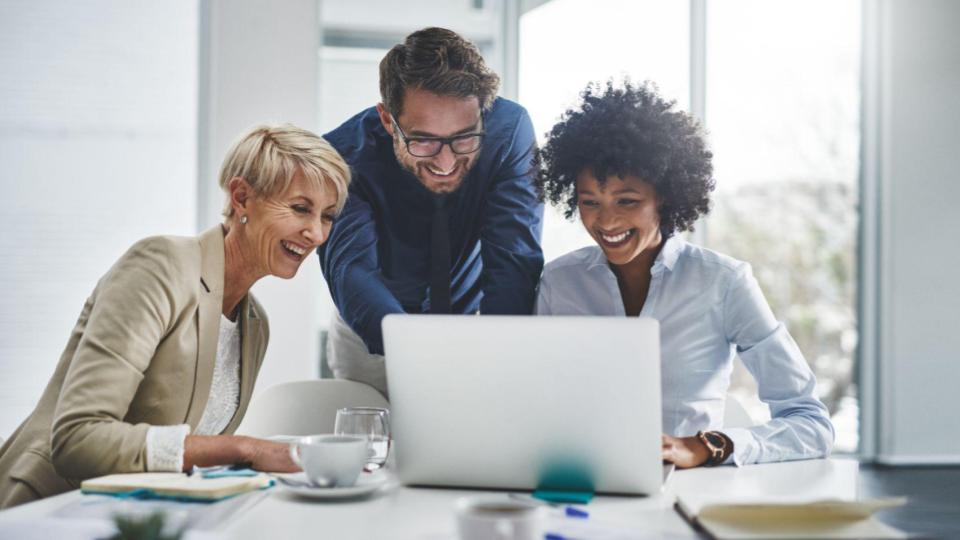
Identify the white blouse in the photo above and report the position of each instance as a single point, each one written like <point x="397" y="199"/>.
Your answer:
<point x="165" y="443"/>
<point x="710" y="308"/>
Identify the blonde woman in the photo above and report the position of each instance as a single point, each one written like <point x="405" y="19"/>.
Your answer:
<point x="159" y="369"/>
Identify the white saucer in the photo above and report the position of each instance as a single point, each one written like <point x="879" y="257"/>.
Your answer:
<point x="285" y="438"/>
<point x="367" y="483"/>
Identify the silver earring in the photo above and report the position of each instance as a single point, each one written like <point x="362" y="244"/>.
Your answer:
<point x="243" y="220"/>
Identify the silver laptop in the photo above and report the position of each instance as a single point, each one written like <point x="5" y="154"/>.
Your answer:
<point x="521" y="402"/>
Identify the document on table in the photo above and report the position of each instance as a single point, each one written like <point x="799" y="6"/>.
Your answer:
<point x="784" y="518"/>
<point x="91" y="516"/>
<point x="76" y="529"/>
<point x="194" y="516"/>
<point x="178" y="486"/>
<point x="577" y="529"/>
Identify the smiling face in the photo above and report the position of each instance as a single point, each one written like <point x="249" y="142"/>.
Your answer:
<point x="283" y="229"/>
<point x="426" y="114"/>
<point x="621" y="215"/>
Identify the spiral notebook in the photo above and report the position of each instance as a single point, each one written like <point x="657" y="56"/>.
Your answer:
<point x="176" y="486"/>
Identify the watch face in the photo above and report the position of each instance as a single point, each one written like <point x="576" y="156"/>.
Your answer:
<point x="715" y="439"/>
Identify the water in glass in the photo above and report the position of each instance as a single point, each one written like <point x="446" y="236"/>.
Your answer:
<point x="370" y="422"/>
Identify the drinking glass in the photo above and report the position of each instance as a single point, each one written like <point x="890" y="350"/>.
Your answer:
<point x="372" y="423"/>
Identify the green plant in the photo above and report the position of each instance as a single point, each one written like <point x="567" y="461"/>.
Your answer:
<point x="148" y="527"/>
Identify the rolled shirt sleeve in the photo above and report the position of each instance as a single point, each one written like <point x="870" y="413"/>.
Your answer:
<point x="800" y="427"/>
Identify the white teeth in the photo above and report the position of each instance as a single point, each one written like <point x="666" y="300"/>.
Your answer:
<point x="615" y="239"/>
<point x="293" y="248"/>
<point x="440" y="173"/>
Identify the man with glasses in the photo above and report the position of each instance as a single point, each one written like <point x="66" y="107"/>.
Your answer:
<point x="443" y="215"/>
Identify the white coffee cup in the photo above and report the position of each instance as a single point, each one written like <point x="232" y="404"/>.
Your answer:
<point x="492" y="517"/>
<point x="330" y="460"/>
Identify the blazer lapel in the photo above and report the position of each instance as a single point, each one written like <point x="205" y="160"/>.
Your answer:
<point x="251" y="353"/>
<point x="208" y="320"/>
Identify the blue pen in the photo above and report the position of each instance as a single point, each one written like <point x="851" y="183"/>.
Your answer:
<point x="569" y="511"/>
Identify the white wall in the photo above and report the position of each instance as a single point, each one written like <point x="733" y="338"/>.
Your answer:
<point x="916" y="115"/>
<point x="359" y="34"/>
<point x="260" y="66"/>
<point x="97" y="150"/>
<point x="379" y="19"/>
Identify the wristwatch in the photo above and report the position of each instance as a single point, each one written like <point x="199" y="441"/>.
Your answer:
<point x="719" y="445"/>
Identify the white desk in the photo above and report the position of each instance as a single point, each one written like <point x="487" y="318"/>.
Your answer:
<point x="427" y="514"/>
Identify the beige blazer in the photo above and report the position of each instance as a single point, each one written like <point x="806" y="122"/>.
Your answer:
<point x="142" y="354"/>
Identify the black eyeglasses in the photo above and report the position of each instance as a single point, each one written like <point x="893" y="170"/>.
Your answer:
<point x="467" y="143"/>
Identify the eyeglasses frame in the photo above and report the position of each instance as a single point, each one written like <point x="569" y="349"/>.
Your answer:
<point x="444" y="141"/>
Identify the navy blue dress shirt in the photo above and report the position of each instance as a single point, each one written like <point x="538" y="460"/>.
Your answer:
<point x="377" y="258"/>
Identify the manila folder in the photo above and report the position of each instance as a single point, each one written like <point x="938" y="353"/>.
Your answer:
<point x="745" y="520"/>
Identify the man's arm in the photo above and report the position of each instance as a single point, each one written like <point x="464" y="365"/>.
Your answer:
<point x="513" y="223"/>
<point x="351" y="267"/>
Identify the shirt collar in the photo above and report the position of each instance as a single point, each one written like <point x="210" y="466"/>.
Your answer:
<point x="595" y="258"/>
<point x="666" y="259"/>
<point x="669" y="254"/>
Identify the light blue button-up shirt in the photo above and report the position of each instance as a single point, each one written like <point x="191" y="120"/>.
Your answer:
<point x="710" y="307"/>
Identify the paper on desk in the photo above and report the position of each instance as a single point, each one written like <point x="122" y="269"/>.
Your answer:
<point x="824" y="510"/>
<point x="194" y="516"/>
<point x="74" y="529"/>
<point x="785" y="518"/>
<point x="577" y="529"/>
<point x="558" y="526"/>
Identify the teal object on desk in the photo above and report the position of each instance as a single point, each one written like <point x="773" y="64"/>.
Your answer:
<point x="565" y="481"/>
<point x="225" y="472"/>
<point x="572" y="497"/>
<point x="149" y="494"/>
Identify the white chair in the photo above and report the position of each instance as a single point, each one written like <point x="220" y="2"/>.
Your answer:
<point x="305" y="407"/>
<point x="735" y="415"/>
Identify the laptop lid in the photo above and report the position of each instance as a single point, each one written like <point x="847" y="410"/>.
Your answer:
<point x="513" y="401"/>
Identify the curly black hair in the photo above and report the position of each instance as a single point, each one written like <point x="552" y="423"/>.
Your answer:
<point x="630" y="131"/>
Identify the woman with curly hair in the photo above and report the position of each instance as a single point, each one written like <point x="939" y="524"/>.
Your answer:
<point x="638" y="172"/>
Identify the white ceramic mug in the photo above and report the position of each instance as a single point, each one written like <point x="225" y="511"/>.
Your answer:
<point x="492" y="517"/>
<point x="330" y="460"/>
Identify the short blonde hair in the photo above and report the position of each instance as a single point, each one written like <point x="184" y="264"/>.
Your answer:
<point x="269" y="156"/>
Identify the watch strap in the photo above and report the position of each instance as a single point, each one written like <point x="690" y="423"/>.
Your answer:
<point x="718" y="444"/>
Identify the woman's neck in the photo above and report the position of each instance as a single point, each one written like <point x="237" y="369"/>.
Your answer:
<point x="239" y="273"/>
<point x="633" y="279"/>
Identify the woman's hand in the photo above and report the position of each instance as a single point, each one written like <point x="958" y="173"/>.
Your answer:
<point x="685" y="452"/>
<point x="263" y="455"/>
<point x="270" y="456"/>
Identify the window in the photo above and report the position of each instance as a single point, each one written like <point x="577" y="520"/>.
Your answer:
<point x="97" y="150"/>
<point x="782" y="111"/>
<point x="565" y="44"/>
<point x="782" y="116"/>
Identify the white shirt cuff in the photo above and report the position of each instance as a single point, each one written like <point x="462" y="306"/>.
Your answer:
<point x="165" y="448"/>
<point x="743" y="446"/>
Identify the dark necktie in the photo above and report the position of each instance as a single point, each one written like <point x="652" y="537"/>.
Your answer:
<point x="439" y="258"/>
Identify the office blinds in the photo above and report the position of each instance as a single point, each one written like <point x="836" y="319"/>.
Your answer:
<point x="97" y="149"/>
